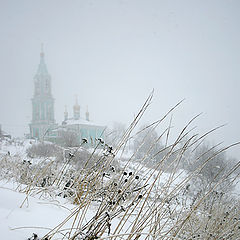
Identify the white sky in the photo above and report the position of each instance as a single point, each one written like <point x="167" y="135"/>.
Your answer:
<point x="112" y="53"/>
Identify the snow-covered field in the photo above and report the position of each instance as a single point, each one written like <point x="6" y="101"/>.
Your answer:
<point x="35" y="216"/>
<point x="26" y="210"/>
<point x="38" y="214"/>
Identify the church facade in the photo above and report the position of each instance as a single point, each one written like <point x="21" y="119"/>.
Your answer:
<point x="43" y="125"/>
<point x="87" y="132"/>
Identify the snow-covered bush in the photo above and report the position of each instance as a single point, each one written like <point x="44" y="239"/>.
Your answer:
<point x="44" y="149"/>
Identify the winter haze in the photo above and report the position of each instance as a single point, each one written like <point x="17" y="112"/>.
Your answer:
<point x="112" y="53"/>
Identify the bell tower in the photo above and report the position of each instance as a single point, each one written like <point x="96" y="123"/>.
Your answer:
<point x="42" y="102"/>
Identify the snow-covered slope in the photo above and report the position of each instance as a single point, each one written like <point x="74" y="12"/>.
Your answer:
<point x="35" y="216"/>
<point x="46" y="208"/>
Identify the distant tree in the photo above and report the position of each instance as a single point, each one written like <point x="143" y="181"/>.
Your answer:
<point x="146" y="144"/>
<point x="114" y="134"/>
<point x="213" y="164"/>
<point x="43" y="149"/>
<point x="68" y="138"/>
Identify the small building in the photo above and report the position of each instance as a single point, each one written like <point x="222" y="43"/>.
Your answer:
<point x="87" y="132"/>
<point x="4" y="134"/>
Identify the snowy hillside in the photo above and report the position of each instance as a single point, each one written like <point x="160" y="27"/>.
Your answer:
<point x="106" y="197"/>
<point x="35" y="216"/>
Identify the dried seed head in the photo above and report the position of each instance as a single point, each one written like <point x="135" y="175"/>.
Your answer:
<point x="122" y="208"/>
<point x="130" y="174"/>
<point x="35" y="236"/>
<point x="137" y="177"/>
<point x="124" y="173"/>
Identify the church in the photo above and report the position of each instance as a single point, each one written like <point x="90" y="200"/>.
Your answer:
<point x="43" y="125"/>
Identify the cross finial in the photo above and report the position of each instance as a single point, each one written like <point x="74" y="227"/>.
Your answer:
<point x="76" y="98"/>
<point x="42" y="53"/>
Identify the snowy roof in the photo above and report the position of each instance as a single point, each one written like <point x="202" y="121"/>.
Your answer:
<point x="81" y="122"/>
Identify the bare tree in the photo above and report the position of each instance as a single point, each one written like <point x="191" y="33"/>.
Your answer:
<point x="68" y="138"/>
<point x="43" y="149"/>
<point x="147" y="145"/>
<point x="211" y="165"/>
<point x="115" y="133"/>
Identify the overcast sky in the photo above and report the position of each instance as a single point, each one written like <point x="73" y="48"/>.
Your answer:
<point x="112" y="53"/>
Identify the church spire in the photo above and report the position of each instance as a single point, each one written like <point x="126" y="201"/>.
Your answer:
<point x="76" y="110"/>
<point x="42" y="68"/>
<point x="42" y="52"/>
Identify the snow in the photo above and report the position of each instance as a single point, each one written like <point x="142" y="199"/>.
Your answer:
<point x="81" y="122"/>
<point x="41" y="213"/>
<point x="36" y="216"/>
<point x="15" y="147"/>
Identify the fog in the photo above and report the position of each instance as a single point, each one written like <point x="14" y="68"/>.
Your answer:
<point x="112" y="53"/>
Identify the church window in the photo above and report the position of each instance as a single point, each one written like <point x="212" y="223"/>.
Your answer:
<point x="37" y="112"/>
<point x="47" y="86"/>
<point x="37" y="88"/>
<point x="42" y="111"/>
<point x="49" y="112"/>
